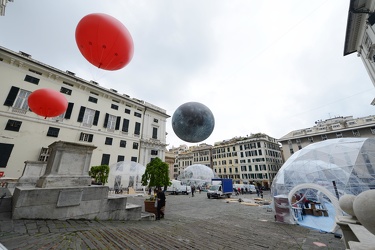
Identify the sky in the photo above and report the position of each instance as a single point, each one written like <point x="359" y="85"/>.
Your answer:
<point x="265" y="66"/>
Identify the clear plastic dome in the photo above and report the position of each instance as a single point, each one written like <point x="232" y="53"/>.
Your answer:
<point x="197" y="175"/>
<point x="323" y="172"/>
<point x="349" y="162"/>
<point x="125" y="174"/>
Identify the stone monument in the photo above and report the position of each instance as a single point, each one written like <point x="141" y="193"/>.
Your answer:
<point x="64" y="191"/>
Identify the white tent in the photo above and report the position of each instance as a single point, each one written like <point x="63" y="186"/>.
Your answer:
<point x="125" y="174"/>
<point x="196" y="174"/>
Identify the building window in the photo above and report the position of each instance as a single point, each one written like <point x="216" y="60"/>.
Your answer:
<point x="105" y="159"/>
<point x="156" y="120"/>
<point x="310" y="139"/>
<point x="299" y="147"/>
<point x="44" y="154"/>
<point x="32" y="79"/>
<point x="35" y="72"/>
<point x="154" y="152"/>
<point x="155" y="133"/>
<point x="125" y="125"/>
<point x="110" y="122"/>
<point x="89" y="117"/>
<point x="69" y="84"/>
<point x="127" y="111"/>
<point x="137" y="114"/>
<point x="93" y="99"/>
<point x="356" y="133"/>
<point x="372" y="130"/>
<point x="120" y="158"/>
<point x="13" y="125"/>
<point x="122" y="144"/>
<point x="53" y="132"/>
<point x="65" y="91"/>
<point x="298" y="141"/>
<point x="108" y="141"/>
<point x="135" y="145"/>
<point x="291" y="152"/>
<point x="134" y="159"/>
<point x="86" y="137"/>
<point x="339" y="135"/>
<point x="324" y="137"/>
<point x="6" y="150"/>
<point x="137" y="129"/>
<point x="113" y="106"/>
<point x="21" y="100"/>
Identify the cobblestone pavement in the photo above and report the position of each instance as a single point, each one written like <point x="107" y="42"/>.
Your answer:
<point x="190" y="223"/>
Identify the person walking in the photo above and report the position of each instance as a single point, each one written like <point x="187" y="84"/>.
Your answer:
<point x="161" y="204"/>
<point x="192" y="190"/>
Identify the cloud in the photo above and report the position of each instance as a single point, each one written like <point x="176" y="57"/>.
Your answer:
<point x="260" y="66"/>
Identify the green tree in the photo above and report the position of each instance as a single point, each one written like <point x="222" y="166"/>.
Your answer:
<point x="156" y="174"/>
<point x="100" y="173"/>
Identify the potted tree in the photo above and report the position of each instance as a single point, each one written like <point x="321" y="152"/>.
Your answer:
<point x="156" y="175"/>
<point x="99" y="174"/>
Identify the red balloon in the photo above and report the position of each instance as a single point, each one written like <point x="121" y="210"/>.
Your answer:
<point x="104" y="41"/>
<point x="47" y="102"/>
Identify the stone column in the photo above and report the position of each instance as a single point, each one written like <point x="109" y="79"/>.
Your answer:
<point x="67" y="166"/>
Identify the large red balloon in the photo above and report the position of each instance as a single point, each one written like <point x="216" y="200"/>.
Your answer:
<point x="47" y="102"/>
<point x="104" y="41"/>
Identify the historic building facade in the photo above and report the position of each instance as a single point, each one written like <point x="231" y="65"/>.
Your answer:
<point x="252" y="159"/>
<point x="360" y="33"/>
<point x="121" y="127"/>
<point x="337" y="127"/>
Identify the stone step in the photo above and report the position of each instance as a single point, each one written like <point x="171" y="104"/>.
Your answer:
<point x="147" y="216"/>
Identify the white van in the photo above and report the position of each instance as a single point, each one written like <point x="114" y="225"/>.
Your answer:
<point x="177" y="188"/>
<point x="250" y="188"/>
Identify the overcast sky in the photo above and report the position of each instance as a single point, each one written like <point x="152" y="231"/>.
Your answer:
<point x="265" y="66"/>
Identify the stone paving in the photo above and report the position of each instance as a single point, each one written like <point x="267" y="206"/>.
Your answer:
<point x="190" y="223"/>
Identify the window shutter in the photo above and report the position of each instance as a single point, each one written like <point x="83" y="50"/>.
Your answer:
<point x="68" y="112"/>
<point x="118" y="121"/>
<point x="81" y="114"/>
<point x="106" y="120"/>
<point x="12" y="95"/>
<point x="6" y="150"/>
<point x="81" y="136"/>
<point x="96" y="118"/>
<point x="125" y="125"/>
<point x="155" y="133"/>
<point x="90" y="138"/>
<point x="137" y="129"/>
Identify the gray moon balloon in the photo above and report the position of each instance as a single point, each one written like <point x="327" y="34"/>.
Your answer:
<point x="193" y="122"/>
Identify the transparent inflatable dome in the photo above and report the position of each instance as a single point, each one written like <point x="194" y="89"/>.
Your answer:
<point x="125" y="174"/>
<point x="197" y="174"/>
<point x="321" y="173"/>
<point x="347" y="163"/>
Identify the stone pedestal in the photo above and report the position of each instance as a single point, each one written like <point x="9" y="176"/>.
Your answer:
<point x="68" y="165"/>
<point x="31" y="173"/>
<point x="64" y="191"/>
<point x="348" y="234"/>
